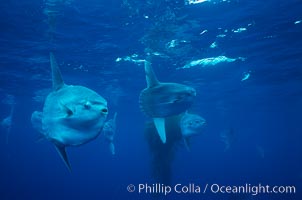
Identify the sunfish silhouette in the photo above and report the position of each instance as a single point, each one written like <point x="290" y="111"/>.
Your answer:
<point x="72" y="115"/>
<point x="160" y="100"/>
<point x="190" y="125"/>
<point x="6" y="123"/>
<point x="109" y="132"/>
<point x="227" y="137"/>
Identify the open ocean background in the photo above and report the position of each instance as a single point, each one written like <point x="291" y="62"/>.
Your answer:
<point x="255" y="90"/>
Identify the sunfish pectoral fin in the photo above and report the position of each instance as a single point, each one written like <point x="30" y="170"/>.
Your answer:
<point x="66" y="109"/>
<point x="61" y="150"/>
<point x="160" y="127"/>
<point x="150" y="76"/>
<point x="57" y="80"/>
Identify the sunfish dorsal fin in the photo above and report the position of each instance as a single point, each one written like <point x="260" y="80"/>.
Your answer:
<point x="61" y="150"/>
<point x="160" y="127"/>
<point x="150" y="76"/>
<point x="57" y="81"/>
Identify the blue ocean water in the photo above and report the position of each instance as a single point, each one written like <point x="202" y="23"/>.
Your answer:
<point x="242" y="57"/>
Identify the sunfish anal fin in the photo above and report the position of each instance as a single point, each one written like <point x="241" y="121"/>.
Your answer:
<point x="57" y="80"/>
<point x="160" y="126"/>
<point x="150" y="76"/>
<point x="61" y="150"/>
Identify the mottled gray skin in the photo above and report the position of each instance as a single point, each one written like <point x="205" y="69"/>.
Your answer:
<point x="72" y="115"/>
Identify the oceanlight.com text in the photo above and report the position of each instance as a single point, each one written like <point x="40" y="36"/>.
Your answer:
<point x="252" y="189"/>
<point x="193" y="188"/>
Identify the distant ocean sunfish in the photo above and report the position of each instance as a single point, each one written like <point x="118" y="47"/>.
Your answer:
<point x="227" y="136"/>
<point x="109" y="132"/>
<point x="190" y="125"/>
<point x="160" y="100"/>
<point x="72" y="115"/>
<point x="6" y="123"/>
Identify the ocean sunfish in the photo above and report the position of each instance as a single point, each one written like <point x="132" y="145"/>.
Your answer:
<point x="160" y="100"/>
<point x="190" y="125"/>
<point x="227" y="136"/>
<point x="72" y="115"/>
<point x="109" y="132"/>
<point x="6" y="123"/>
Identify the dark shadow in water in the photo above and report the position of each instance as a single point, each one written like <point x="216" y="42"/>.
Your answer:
<point x="162" y="155"/>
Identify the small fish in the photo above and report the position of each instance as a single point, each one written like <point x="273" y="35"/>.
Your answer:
<point x="72" y="115"/>
<point x="160" y="100"/>
<point x="109" y="131"/>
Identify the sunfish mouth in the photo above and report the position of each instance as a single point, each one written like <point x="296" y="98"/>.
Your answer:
<point x="192" y="92"/>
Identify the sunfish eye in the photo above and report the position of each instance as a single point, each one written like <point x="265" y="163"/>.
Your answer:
<point x="87" y="105"/>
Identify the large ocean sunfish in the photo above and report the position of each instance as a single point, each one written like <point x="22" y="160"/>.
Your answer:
<point x="72" y="115"/>
<point x="160" y="100"/>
